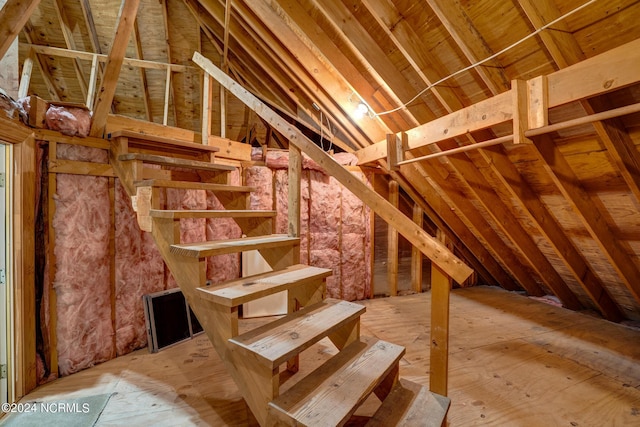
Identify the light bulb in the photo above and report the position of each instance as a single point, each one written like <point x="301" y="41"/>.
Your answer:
<point x="360" y="111"/>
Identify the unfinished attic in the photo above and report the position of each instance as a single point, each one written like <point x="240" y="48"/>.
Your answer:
<point x="378" y="212"/>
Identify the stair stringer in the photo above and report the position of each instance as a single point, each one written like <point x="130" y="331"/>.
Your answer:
<point x="258" y="384"/>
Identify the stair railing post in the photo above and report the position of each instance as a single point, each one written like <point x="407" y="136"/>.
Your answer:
<point x="439" y="357"/>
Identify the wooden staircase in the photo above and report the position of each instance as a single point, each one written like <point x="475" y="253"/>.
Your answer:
<point x="329" y="395"/>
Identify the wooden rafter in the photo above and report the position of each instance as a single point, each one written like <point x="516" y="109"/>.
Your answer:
<point x="126" y="19"/>
<point x="70" y="44"/>
<point x="274" y="61"/>
<point x="470" y="42"/>
<point x="538" y="213"/>
<point x="42" y="65"/>
<point x="326" y="50"/>
<point x="565" y="51"/>
<point x="308" y="64"/>
<point x="467" y="171"/>
<point x="443" y="216"/>
<point x="569" y="184"/>
<point x="13" y="16"/>
<point x="534" y="288"/>
<point x="143" y="73"/>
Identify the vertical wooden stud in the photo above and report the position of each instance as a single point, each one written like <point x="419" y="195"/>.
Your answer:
<point x="91" y="92"/>
<point x="392" y="244"/>
<point x="167" y="88"/>
<point x="25" y="78"/>
<point x="372" y="244"/>
<point x="112" y="257"/>
<point x="207" y="107"/>
<point x="395" y="150"/>
<point x="416" y="255"/>
<point x="538" y="102"/>
<point x="24" y="265"/>
<point x="520" y="94"/>
<point x="53" y="296"/>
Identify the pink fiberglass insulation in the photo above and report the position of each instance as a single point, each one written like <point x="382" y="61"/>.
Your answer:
<point x="191" y="229"/>
<point x="81" y="153"/>
<point x="82" y="279"/>
<point x="260" y="177"/>
<point x="221" y="268"/>
<point x="354" y="231"/>
<point x="324" y="228"/>
<point x="68" y="120"/>
<point x="139" y="271"/>
<point x="281" y="178"/>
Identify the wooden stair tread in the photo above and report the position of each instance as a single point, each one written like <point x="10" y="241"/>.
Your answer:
<point x="240" y="291"/>
<point x="278" y="341"/>
<point x="141" y="140"/>
<point x="332" y="393"/>
<point x="412" y="405"/>
<point x="218" y="247"/>
<point x="172" y="161"/>
<point x="198" y="213"/>
<point x="194" y="185"/>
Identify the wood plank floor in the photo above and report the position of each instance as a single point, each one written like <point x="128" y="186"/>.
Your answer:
<point x="514" y="362"/>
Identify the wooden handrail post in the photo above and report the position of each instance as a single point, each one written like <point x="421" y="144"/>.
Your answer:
<point x="439" y="358"/>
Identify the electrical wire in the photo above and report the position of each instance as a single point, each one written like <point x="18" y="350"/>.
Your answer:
<point x="533" y="34"/>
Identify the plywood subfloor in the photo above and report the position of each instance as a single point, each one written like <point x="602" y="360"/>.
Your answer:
<point x="514" y="362"/>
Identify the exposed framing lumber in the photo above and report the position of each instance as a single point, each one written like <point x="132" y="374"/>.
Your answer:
<point x="392" y="243"/>
<point x="148" y="111"/>
<point x="53" y="296"/>
<point x="142" y="63"/>
<point x="565" y="51"/>
<point x="389" y="90"/>
<point x="439" y="354"/>
<point x="126" y="19"/>
<point x="437" y="252"/>
<point x="568" y="183"/>
<point x="467" y="210"/>
<point x="51" y="89"/>
<point x="416" y="255"/>
<point x="13" y="17"/>
<point x="24" y="266"/>
<point x="307" y="63"/>
<point x="444" y="217"/>
<point x="70" y="43"/>
<point x="612" y="70"/>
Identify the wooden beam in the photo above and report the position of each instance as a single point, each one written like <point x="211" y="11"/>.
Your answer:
<point x="141" y="63"/>
<point x="416" y="255"/>
<point x="466" y="209"/>
<point x="482" y="115"/>
<point x="13" y="16"/>
<point x="25" y="79"/>
<point x="24" y="266"/>
<point x="474" y="47"/>
<point x="392" y="243"/>
<point x="437" y="252"/>
<point x="294" y="191"/>
<point x="309" y="63"/>
<point x="69" y="41"/>
<point x="439" y="354"/>
<point x="126" y="19"/>
<point x="143" y="74"/>
<point x="565" y="179"/>
<point x="614" y="69"/>
<point x="550" y="228"/>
